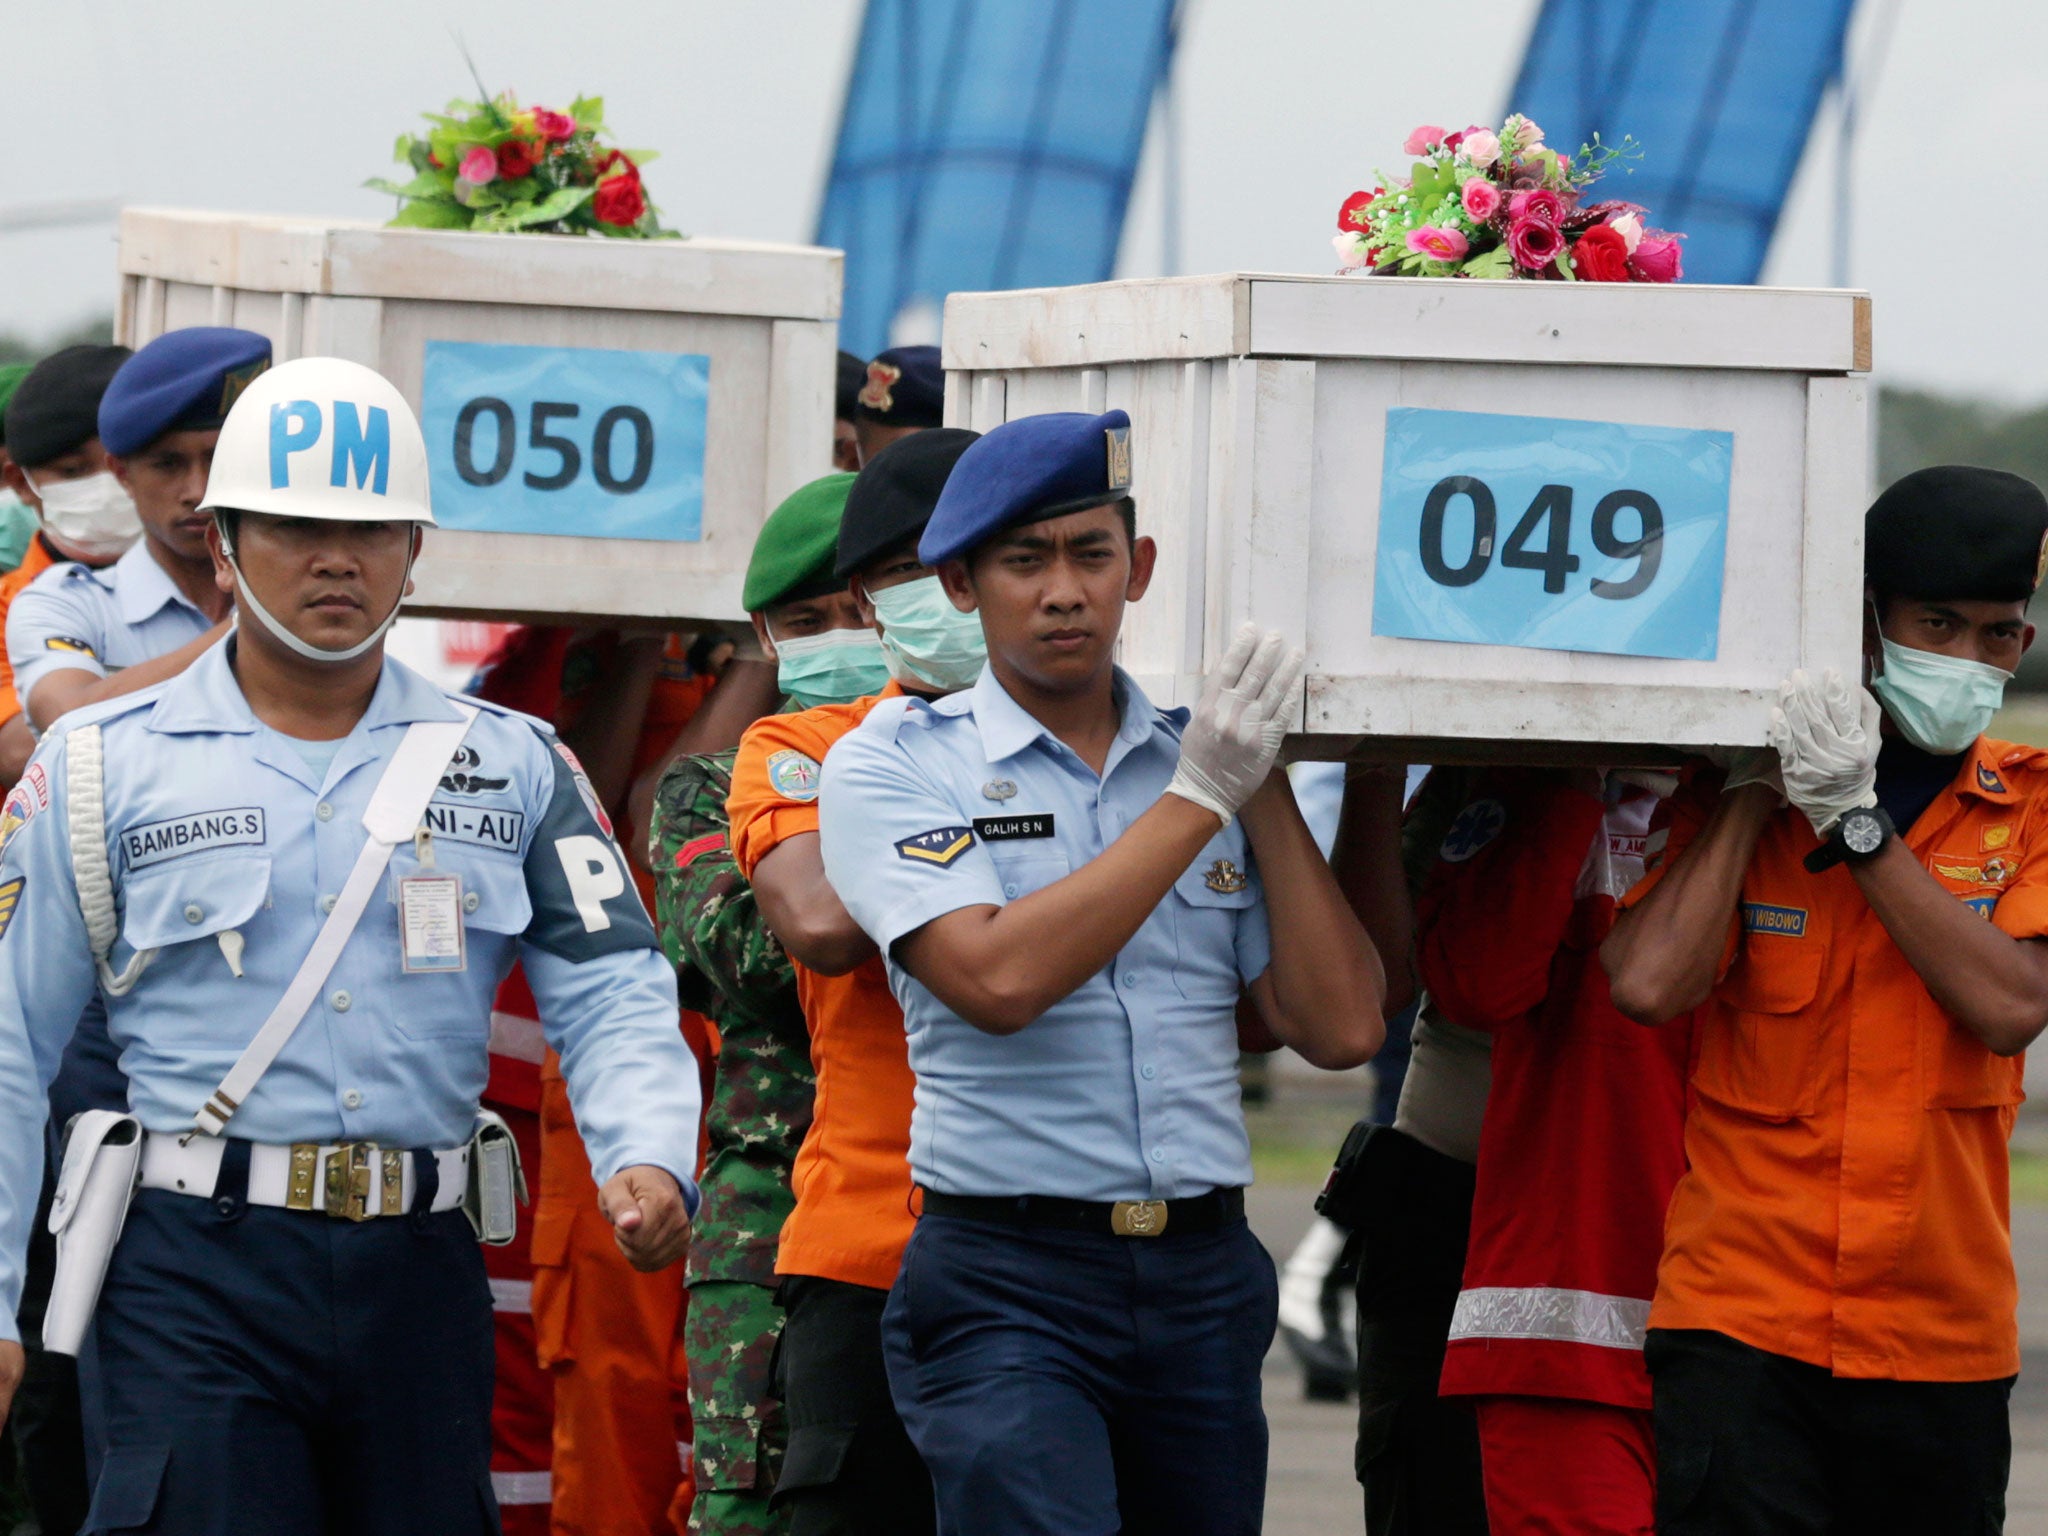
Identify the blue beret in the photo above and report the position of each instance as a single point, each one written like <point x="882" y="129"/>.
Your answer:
<point x="906" y="387"/>
<point x="1032" y="468"/>
<point x="183" y="381"/>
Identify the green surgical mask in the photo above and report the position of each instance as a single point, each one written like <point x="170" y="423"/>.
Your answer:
<point x="926" y="641"/>
<point x="1939" y="703"/>
<point x="835" y="667"/>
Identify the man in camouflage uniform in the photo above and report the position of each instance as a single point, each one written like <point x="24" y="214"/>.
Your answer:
<point x="734" y="972"/>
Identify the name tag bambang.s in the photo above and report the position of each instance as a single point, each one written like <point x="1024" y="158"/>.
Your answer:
<point x="155" y="841"/>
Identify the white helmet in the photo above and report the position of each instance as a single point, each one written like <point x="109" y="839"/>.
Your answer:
<point x="321" y="437"/>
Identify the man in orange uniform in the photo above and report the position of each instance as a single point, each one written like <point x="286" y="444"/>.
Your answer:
<point x="590" y="1410"/>
<point x="850" y="1469"/>
<point x="1833" y="1340"/>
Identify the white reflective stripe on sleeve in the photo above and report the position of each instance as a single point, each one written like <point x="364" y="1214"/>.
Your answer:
<point x="1548" y="1312"/>
<point x="523" y="1487"/>
<point x="517" y="1038"/>
<point x="511" y="1295"/>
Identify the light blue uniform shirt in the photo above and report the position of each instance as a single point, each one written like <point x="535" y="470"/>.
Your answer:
<point x="97" y="619"/>
<point x="1127" y="1088"/>
<point x="215" y="822"/>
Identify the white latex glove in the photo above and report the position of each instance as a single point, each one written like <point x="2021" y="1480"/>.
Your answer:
<point x="1234" y="738"/>
<point x="1825" y="733"/>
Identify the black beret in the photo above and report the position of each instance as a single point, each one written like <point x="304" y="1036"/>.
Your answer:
<point x="894" y="493"/>
<point x="853" y="373"/>
<point x="57" y="408"/>
<point x="906" y="387"/>
<point x="1957" y="532"/>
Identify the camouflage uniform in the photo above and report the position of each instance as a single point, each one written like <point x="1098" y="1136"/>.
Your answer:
<point x="733" y="971"/>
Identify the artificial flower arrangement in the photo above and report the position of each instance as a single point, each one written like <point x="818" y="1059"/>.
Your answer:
<point x="495" y="165"/>
<point x="1487" y="204"/>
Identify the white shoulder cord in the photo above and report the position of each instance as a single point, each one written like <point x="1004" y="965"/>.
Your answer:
<point x="85" y="804"/>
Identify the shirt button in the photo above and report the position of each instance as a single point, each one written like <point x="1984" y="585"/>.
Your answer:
<point x="1159" y="1154"/>
<point x="471" y="901"/>
<point x="1148" y="1071"/>
<point x="324" y="811"/>
<point x="1010" y="890"/>
<point x="194" y="912"/>
<point x="341" y="1000"/>
<point x="1130" y="978"/>
<point x="352" y="1100"/>
<point x="327" y="903"/>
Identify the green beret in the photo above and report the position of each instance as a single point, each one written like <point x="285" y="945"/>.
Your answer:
<point x="10" y="380"/>
<point x="797" y="546"/>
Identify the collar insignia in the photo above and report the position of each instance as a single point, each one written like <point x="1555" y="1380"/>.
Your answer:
<point x="1225" y="878"/>
<point x="1989" y="782"/>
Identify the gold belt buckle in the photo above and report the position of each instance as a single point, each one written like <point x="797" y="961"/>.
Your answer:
<point x="1138" y="1218"/>
<point x="349" y="1181"/>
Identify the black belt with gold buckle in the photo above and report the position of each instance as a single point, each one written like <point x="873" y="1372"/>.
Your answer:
<point x="1123" y="1218"/>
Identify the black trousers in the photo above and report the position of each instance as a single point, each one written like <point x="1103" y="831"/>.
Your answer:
<point x="276" y="1372"/>
<point x="1418" y="1453"/>
<point x="850" y="1469"/>
<point x="1751" y="1442"/>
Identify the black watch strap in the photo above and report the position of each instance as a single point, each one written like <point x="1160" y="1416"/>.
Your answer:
<point x="1836" y="850"/>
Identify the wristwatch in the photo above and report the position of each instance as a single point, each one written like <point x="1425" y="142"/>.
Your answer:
<point x="1859" y="834"/>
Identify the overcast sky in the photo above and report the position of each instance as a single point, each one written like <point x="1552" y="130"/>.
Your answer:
<point x="285" y="106"/>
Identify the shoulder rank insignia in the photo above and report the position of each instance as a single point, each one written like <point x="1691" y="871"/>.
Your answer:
<point x="1225" y="878"/>
<point x="10" y="898"/>
<point x="940" y="846"/>
<point x="999" y="789"/>
<point x="70" y="643"/>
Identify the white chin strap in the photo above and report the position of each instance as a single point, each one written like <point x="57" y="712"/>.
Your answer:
<point x="291" y="641"/>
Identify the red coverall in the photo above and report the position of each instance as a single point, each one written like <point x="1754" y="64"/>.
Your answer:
<point x="1582" y="1143"/>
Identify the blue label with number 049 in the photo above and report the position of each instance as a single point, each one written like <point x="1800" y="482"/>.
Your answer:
<point x="581" y="441"/>
<point x="1561" y="535"/>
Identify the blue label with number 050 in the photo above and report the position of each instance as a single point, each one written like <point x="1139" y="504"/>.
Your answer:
<point x="1562" y="535"/>
<point x="566" y="440"/>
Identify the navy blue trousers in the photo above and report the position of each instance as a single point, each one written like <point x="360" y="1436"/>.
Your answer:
<point x="281" y="1372"/>
<point x="1080" y="1384"/>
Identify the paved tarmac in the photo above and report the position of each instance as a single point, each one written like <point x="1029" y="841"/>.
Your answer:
<point x="1310" y="1489"/>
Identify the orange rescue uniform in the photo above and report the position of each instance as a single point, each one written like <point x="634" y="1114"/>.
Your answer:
<point x="1847" y="1196"/>
<point x="852" y="1177"/>
<point x="609" y="1337"/>
<point x="40" y="558"/>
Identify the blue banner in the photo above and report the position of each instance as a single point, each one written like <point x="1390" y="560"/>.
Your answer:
<point x="577" y="441"/>
<point x="1560" y="535"/>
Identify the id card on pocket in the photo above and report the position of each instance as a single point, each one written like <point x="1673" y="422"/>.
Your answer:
<point x="430" y="923"/>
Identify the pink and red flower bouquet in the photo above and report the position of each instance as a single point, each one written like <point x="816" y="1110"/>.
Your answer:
<point x="1502" y="204"/>
<point x="494" y="165"/>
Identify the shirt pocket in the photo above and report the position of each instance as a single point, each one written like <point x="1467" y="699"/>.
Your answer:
<point x="1959" y="1071"/>
<point x="1763" y="1054"/>
<point x="1024" y="870"/>
<point x="1208" y="901"/>
<point x="495" y="911"/>
<point x="196" y="898"/>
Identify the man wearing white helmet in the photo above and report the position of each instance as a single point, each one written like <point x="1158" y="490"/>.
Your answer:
<point x="296" y="874"/>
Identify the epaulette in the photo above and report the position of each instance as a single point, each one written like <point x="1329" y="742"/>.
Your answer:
<point x="109" y="709"/>
<point x="503" y="711"/>
<point x="891" y="715"/>
<point x="2032" y="759"/>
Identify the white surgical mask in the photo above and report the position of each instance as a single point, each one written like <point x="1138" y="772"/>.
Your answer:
<point x="927" y="642"/>
<point x="1939" y="703"/>
<point x="91" y="519"/>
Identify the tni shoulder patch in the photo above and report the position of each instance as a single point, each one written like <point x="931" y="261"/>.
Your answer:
<point x="10" y="898"/>
<point x="940" y="846"/>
